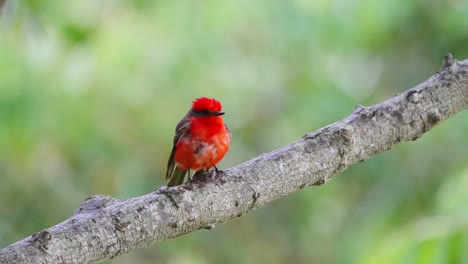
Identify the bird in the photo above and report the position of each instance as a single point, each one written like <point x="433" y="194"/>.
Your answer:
<point x="201" y="140"/>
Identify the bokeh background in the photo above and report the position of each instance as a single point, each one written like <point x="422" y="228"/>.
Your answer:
<point x="91" y="91"/>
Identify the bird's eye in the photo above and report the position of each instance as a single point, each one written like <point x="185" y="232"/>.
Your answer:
<point x="205" y="112"/>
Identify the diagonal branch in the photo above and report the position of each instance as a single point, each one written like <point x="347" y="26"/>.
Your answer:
<point x="104" y="227"/>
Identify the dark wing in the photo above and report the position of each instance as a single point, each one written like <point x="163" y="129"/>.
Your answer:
<point x="173" y="174"/>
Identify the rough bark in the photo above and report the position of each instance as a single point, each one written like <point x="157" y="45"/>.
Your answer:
<point x="104" y="227"/>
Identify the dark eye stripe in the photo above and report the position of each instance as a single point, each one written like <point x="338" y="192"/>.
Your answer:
<point x="201" y="113"/>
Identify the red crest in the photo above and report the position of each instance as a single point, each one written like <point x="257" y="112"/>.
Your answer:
<point x="204" y="103"/>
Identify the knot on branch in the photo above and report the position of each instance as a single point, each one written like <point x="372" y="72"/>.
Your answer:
<point x="413" y="96"/>
<point x="433" y="118"/>
<point x="41" y="240"/>
<point x="208" y="227"/>
<point x="320" y="182"/>
<point x="448" y="61"/>
<point x="344" y="137"/>
<point x="358" y="108"/>
<point x="118" y="221"/>
<point x="365" y="113"/>
<point x="95" y="202"/>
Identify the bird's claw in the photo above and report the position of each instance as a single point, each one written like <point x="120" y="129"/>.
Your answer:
<point x="218" y="171"/>
<point x="216" y="175"/>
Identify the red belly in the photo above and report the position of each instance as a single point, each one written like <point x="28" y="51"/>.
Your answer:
<point x="196" y="154"/>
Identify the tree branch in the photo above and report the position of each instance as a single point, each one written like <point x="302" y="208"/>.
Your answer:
<point x="104" y="227"/>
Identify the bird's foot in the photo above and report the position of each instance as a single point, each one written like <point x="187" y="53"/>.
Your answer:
<point x="216" y="175"/>
<point x="218" y="171"/>
<point x="205" y="176"/>
<point x="199" y="176"/>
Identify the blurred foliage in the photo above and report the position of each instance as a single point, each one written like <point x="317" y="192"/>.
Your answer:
<point x="90" y="93"/>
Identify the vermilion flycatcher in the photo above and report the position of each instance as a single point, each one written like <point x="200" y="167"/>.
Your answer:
<point x="200" y="142"/>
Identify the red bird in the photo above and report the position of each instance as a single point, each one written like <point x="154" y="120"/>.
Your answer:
<point x="200" y="142"/>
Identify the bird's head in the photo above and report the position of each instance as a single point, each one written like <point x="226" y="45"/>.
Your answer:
<point x="204" y="107"/>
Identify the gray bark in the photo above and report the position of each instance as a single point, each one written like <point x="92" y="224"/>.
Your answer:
<point x="104" y="227"/>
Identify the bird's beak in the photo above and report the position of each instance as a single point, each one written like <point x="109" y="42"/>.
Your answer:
<point x="218" y="113"/>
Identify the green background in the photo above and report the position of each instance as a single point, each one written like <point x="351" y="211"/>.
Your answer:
<point x="91" y="91"/>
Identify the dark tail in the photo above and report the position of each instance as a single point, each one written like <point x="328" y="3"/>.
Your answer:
<point x="177" y="177"/>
